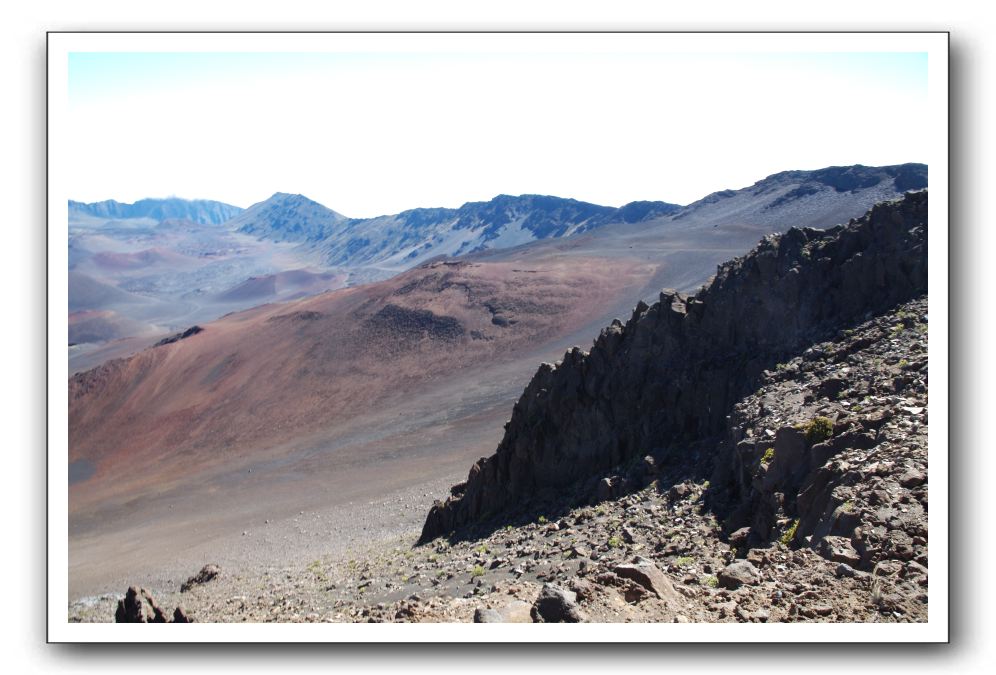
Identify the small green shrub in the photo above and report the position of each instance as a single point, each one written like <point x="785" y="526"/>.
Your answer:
<point x="481" y="550"/>
<point x="684" y="561"/>
<point x="769" y="455"/>
<point x="819" y="429"/>
<point x="541" y="520"/>
<point x="478" y="571"/>
<point x="615" y="542"/>
<point x="710" y="581"/>
<point x="789" y="534"/>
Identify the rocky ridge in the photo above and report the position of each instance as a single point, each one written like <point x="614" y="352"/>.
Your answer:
<point x="673" y="373"/>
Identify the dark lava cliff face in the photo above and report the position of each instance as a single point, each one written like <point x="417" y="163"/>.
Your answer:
<point x="673" y="373"/>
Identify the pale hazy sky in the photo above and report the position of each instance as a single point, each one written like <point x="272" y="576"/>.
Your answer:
<point x="368" y="134"/>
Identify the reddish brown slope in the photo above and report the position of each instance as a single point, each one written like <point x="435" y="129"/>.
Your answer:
<point x="253" y="381"/>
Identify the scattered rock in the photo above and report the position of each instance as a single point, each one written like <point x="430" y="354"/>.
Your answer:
<point x="912" y="478"/>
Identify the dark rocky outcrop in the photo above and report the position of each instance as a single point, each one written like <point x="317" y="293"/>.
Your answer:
<point x="138" y="606"/>
<point x="208" y="573"/>
<point x="193" y="330"/>
<point x="671" y="375"/>
<point x="397" y="323"/>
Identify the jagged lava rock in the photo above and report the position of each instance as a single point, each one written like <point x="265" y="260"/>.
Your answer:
<point x="673" y="372"/>
<point x="138" y="606"/>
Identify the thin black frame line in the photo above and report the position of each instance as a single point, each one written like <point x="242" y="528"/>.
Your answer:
<point x="555" y="32"/>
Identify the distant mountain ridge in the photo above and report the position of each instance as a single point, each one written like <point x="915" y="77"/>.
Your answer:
<point x="390" y="243"/>
<point x="399" y="241"/>
<point x="370" y="249"/>
<point x="287" y="217"/>
<point x="203" y="211"/>
<point x="808" y="197"/>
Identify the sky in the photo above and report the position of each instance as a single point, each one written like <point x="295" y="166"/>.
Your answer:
<point x="376" y="133"/>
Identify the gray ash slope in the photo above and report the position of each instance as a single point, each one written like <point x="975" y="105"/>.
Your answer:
<point x="671" y="376"/>
<point x="817" y="198"/>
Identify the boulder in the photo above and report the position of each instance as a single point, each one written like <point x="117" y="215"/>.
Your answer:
<point x="485" y="615"/>
<point x="556" y="605"/>
<point x="648" y="575"/>
<point x="738" y="574"/>
<point x="739" y="538"/>
<point x="838" y="549"/>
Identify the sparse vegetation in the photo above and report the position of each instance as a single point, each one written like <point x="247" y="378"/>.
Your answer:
<point x="768" y="456"/>
<point x="789" y="534"/>
<point x="478" y="571"/>
<point x="614" y="542"/>
<point x="684" y="561"/>
<point x="710" y="580"/>
<point x="542" y="520"/>
<point x="818" y="429"/>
